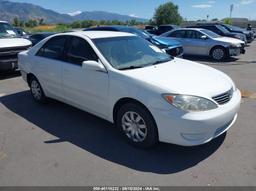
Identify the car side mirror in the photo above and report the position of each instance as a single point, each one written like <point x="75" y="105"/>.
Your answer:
<point x="94" y="66"/>
<point x="204" y="37"/>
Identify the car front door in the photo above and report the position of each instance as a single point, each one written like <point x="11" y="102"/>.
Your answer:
<point x="87" y="89"/>
<point x="47" y="65"/>
<point x="195" y="43"/>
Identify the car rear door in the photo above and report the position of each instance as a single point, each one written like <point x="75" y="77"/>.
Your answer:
<point x="84" y="88"/>
<point x="180" y="35"/>
<point x="47" y="65"/>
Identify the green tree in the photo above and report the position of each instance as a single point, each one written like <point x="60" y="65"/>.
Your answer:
<point x="228" y="21"/>
<point x="31" y="23"/>
<point x="41" y="21"/>
<point x="22" y="24"/>
<point x="16" y="22"/>
<point x="76" y="24"/>
<point x="132" y="22"/>
<point x="167" y="13"/>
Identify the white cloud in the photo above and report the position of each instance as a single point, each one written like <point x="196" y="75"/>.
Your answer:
<point x="246" y="2"/>
<point x="133" y="15"/>
<point x="202" y="6"/>
<point x="75" y="13"/>
<point x="211" y="2"/>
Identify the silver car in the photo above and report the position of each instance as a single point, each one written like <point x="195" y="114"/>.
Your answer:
<point x="203" y="42"/>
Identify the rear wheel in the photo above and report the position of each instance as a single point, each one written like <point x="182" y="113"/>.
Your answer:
<point x="218" y="53"/>
<point x="137" y="125"/>
<point x="36" y="90"/>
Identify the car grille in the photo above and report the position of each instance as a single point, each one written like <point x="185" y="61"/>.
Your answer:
<point x="175" y="51"/>
<point x="11" y="53"/>
<point x="223" y="98"/>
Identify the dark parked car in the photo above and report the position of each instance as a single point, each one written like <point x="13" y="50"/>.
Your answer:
<point x="149" y="27"/>
<point x="36" y="38"/>
<point x="21" y="32"/>
<point x="220" y="30"/>
<point x="249" y="34"/>
<point x="172" y="47"/>
<point x="162" y="29"/>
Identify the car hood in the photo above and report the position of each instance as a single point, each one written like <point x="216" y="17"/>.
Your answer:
<point x="166" y="41"/>
<point x="229" y="40"/>
<point x="181" y="76"/>
<point x="13" y="42"/>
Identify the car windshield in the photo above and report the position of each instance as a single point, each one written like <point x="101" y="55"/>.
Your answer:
<point x="210" y="33"/>
<point x="130" y="52"/>
<point x="6" y="30"/>
<point x="222" y="29"/>
<point x="234" y="28"/>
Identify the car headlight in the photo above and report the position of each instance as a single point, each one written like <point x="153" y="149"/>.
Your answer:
<point x="190" y="103"/>
<point x="235" y="45"/>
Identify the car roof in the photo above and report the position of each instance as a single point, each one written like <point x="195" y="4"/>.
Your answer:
<point x="44" y="33"/>
<point x="118" y="27"/>
<point x="100" y="34"/>
<point x="207" y="24"/>
<point x="168" y="25"/>
<point x="197" y="29"/>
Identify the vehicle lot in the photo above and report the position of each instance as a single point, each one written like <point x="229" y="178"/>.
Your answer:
<point x="58" y="145"/>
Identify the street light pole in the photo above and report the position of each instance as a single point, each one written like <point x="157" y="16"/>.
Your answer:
<point x="231" y="10"/>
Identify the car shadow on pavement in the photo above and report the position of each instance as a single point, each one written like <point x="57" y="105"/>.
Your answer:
<point x="208" y="59"/>
<point x="100" y="137"/>
<point x="8" y="75"/>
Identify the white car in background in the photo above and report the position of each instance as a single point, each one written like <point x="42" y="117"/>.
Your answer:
<point x="10" y="46"/>
<point x="126" y="80"/>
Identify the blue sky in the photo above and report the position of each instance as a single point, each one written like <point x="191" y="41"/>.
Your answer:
<point x="189" y="9"/>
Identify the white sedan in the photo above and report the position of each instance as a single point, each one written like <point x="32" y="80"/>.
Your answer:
<point x="124" y="79"/>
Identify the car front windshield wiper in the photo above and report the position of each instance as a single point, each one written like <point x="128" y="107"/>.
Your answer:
<point x="130" y="67"/>
<point x="160" y="61"/>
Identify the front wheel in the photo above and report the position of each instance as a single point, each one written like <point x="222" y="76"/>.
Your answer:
<point x="218" y="53"/>
<point x="137" y="125"/>
<point x="36" y="90"/>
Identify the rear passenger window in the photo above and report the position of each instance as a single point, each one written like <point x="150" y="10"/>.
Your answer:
<point x="53" y="48"/>
<point x="79" y="51"/>
<point x="178" y="34"/>
<point x="193" y="34"/>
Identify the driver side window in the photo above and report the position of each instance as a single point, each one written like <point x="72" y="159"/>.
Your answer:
<point x="79" y="51"/>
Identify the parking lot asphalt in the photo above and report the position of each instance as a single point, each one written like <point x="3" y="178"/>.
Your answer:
<point x="58" y="145"/>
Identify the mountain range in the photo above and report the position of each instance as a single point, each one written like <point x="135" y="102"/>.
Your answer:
<point x="25" y="11"/>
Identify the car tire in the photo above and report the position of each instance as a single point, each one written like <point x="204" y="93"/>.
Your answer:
<point x="218" y="53"/>
<point x="36" y="90"/>
<point x="137" y="125"/>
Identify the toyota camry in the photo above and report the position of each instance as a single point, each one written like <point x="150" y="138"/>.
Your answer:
<point x="122" y="78"/>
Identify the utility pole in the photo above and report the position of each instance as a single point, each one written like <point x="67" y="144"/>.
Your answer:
<point x="231" y="10"/>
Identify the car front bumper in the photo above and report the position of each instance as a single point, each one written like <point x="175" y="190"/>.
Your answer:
<point x="175" y="51"/>
<point x="236" y="51"/>
<point x="8" y="65"/>
<point x="196" y="128"/>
